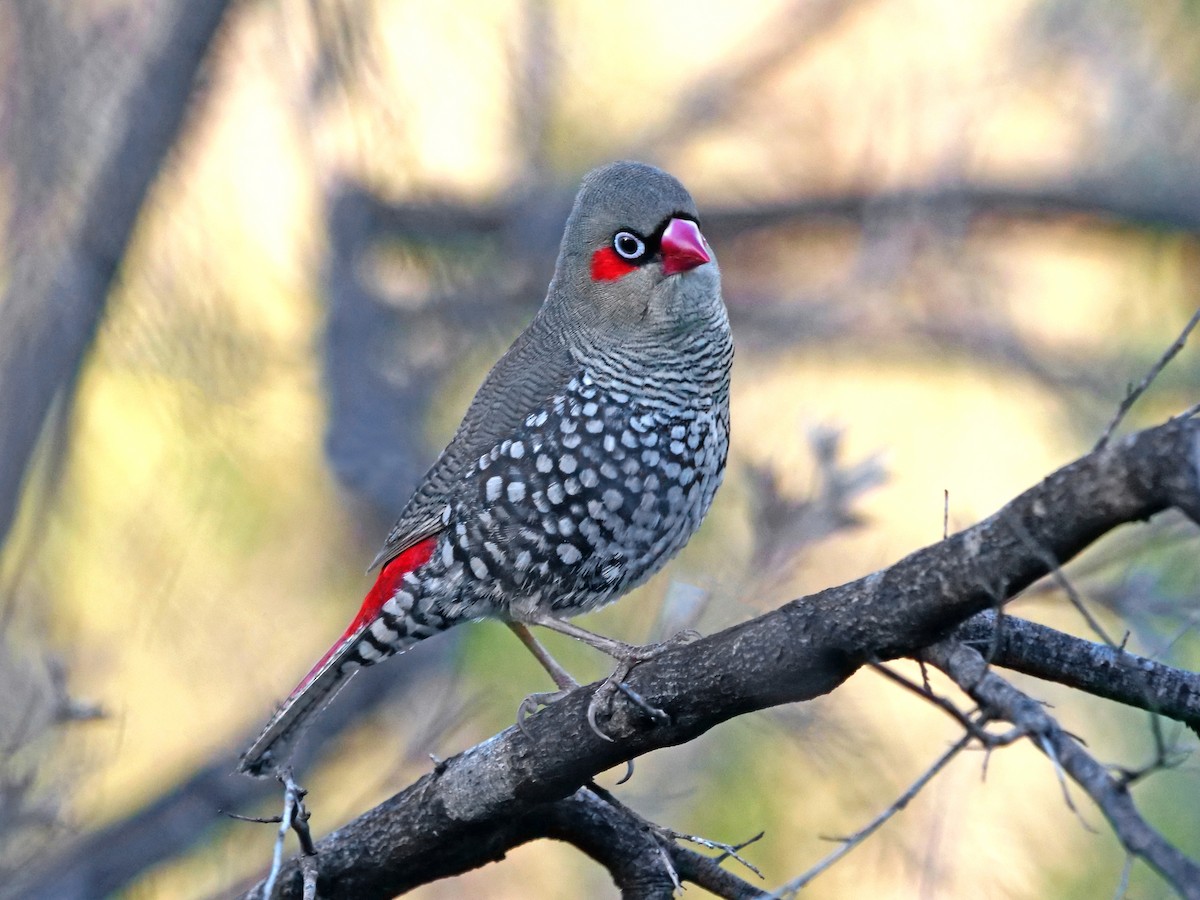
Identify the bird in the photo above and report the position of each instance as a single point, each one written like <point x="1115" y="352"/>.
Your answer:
<point x="587" y="459"/>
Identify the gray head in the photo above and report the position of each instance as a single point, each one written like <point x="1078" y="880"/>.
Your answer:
<point x="633" y="259"/>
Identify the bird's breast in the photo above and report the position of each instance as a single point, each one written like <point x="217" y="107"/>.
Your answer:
<point x="592" y="493"/>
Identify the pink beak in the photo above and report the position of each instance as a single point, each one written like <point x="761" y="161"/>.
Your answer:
<point x="683" y="247"/>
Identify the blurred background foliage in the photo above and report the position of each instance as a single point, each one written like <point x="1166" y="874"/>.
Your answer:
<point x="952" y="234"/>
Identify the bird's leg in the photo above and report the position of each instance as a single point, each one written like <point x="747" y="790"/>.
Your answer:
<point x="562" y="678"/>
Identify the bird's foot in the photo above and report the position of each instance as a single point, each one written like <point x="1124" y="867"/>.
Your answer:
<point x="531" y="704"/>
<point x="602" y="699"/>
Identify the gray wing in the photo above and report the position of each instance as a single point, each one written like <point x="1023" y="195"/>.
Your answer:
<point x="537" y="365"/>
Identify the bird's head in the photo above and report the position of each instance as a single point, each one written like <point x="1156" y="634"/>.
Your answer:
<point x="633" y="258"/>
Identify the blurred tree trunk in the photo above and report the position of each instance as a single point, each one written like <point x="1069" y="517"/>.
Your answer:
<point x="88" y="121"/>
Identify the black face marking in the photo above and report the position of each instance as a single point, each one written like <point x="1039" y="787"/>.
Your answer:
<point x="637" y="250"/>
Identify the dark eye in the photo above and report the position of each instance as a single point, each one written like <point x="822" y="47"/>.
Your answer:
<point x="628" y="245"/>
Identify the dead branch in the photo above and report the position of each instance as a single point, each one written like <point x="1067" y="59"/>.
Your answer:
<point x="1109" y="672"/>
<point x="969" y="670"/>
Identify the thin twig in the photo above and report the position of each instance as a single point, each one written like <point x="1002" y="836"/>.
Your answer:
<point x="1133" y="396"/>
<point x="294" y="817"/>
<point x="849" y="843"/>
<point x="974" y="727"/>
<point x="285" y="824"/>
<point x="968" y="669"/>
<point x="1123" y="884"/>
<point x="1063" y="582"/>
<point x="670" y="835"/>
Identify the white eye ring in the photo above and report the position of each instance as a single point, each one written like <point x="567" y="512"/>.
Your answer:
<point x="628" y="245"/>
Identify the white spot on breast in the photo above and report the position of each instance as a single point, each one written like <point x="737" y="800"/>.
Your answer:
<point x="590" y="409"/>
<point x="608" y="470"/>
<point x="678" y="432"/>
<point x="567" y="426"/>
<point x="572" y="486"/>
<point x="568" y="553"/>
<point x="565" y="526"/>
<point x="677" y="447"/>
<point x="629" y="439"/>
<point x="555" y="493"/>
<point x="495" y="485"/>
<point x="571" y="441"/>
<point x="541" y="418"/>
<point x="517" y="450"/>
<point x="610" y="443"/>
<point x="686" y="476"/>
<point x="589" y="478"/>
<point x="594" y="426"/>
<point x="650" y="457"/>
<point x="479" y="567"/>
<point x="516" y="491"/>
<point x="650" y="439"/>
<point x="447" y="553"/>
<point x="567" y="463"/>
<point x="484" y="462"/>
<point x="544" y="463"/>
<point x="612" y="499"/>
<point x="595" y="507"/>
<point x="524" y="558"/>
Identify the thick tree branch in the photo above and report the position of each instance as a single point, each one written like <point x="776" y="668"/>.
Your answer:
<point x="1112" y="673"/>
<point x="800" y="651"/>
<point x="969" y="670"/>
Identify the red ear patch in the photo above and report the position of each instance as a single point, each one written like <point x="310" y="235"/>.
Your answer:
<point x="607" y="266"/>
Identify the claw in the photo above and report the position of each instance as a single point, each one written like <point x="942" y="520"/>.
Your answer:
<point x="530" y="705"/>
<point x="593" y="708"/>
<point x="628" y="772"/>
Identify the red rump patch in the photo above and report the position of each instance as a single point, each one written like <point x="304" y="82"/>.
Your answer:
<point x="607" y="266"/>
<point x="381" y="592"/>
